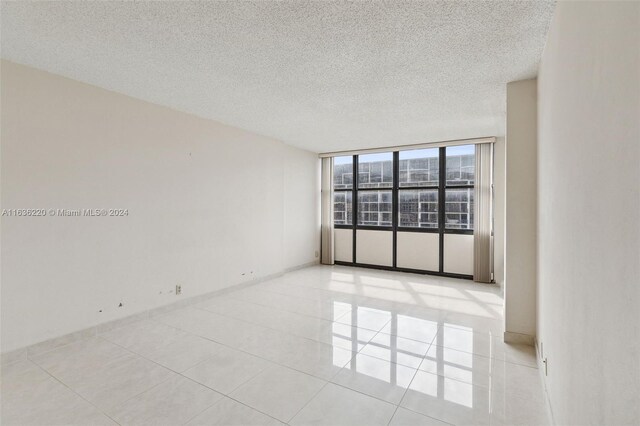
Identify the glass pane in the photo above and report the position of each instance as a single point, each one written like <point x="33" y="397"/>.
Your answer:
<point x="374" y="208"/>
<point x="459" y="208"/>
<point x="342" y="208"/>
<point x="343" y="172"/>
<point x="419" y="167"/>
<point x="375" y="170"/>
<point x="461" y="165"/>
<point x="418" y="208"/>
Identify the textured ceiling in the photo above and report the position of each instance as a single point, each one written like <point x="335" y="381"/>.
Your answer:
<point x="323" y="76"/>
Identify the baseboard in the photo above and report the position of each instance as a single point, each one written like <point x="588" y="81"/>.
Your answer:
<point x="304" y="265"/>
<point x="543" y="378"/>
<point x="56" y="342"/>
<point x="519" y="338"/>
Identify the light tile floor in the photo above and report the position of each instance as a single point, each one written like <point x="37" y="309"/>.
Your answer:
<point x="322" y="345"/>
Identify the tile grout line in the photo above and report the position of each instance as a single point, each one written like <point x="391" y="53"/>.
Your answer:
<point x="346" y="302"/>
<point x="192" y="380"/>
<point x="278" y="330"/>
<point x="202" y="411"/>
<point x="145" y="358"/>
<point x="281" y="309"/>
<point x="147" y="314"/>
<point x="202" y="384"/>
<point x="293" y="369"/>
<point x="233" y="399"/>
<point x="437" y="283"/>
<point x="417" y="369"/>
<point x="351" y="301"/>
<point x="425" y="415"/>
<point x="73" y="391"/>
<point x="265" y="359"/>
<point x="278" y="363"/>
<point x="229" y="294"/>
<point x="440" y="327"/>
<point x="307" y="403"/>
<point x="319" y="341"/>
<point x="284" y="332"/>
<point x="305" y="337"/>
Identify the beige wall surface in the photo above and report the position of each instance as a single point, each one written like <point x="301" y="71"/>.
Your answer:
<point x="588" y="213"/>
<point x="458" y="254"/>
<point x="343" y="245"/>
<point x="209" y="205"/>
<point x="374" y="247"/>
<point x="499" y="166"/>
<point x="418" y="250"/>
<point x="520" y="207"/>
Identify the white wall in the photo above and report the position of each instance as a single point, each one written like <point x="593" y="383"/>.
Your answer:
<point x="418" y="250"/>
<point x="374" y="247"/>
<point x="302" y="207"/>
<point x="458" y="254"/>
<point x="588" y="213"/>
<point x="209" y="205"/>
<point x="520" y="210"/>
<point x="343" y="245"/>
<point x="499" y="166"/>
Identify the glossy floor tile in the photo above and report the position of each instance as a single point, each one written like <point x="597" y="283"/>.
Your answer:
<point x="227" y="369"/>
<point x="382" y="379"/>
<point x="448" y="400"/>
<point x="30" y="396"/>
<point x="114" y="383"/>
<point x="396" y="349"/>
<point x="321" y="345"/>
<point x="335" y="405"/>
<point x="172" y="402"/>
<point x="404" y="417"/>
<point x="229" y="412"/>
<point x="279" y="392"/>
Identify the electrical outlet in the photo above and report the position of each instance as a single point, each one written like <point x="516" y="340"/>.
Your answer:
<point x="178" y="289"/>
<point x="317" y="253"/>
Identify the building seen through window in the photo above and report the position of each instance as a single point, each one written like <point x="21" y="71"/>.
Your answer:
<point x="375" y="208"/>
<point x="342" y="190"/>
<point x="418" y="180"/>
<point x="460" y="172"/>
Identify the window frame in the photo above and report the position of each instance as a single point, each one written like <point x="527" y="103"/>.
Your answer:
<point x="433" y="230"/>
<point x="395" y="227"/>
<point x="358" y="190"/>
<point x="443" y="204"/>
<point x="375" y="227"/>
<point x="399" y="228"/>
<point x="333" y="200"/>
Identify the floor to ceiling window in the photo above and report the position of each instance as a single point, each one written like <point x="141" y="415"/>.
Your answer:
<point x="407" y="210"/>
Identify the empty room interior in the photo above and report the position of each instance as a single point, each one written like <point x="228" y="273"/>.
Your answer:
<point x="320" y="213"/>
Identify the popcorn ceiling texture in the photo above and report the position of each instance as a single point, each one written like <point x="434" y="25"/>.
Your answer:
<point x="322" y="76"/>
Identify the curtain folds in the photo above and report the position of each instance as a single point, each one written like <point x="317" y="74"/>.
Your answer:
<point x="483" y="215"/>
<point x="326" y="235"/>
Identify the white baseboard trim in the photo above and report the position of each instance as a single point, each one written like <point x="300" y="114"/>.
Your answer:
<point x="304" y="265"/>
<point x="56" y="342"/>
<point x="543" y="378"/>
<point x="519" y="338"/>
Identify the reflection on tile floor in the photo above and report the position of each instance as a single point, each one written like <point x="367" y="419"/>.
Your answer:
<point x="322" y="345"/>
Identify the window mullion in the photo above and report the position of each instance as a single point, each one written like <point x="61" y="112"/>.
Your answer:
<point x="354" y="205"/>
<point x="442" y="179"/>
<point x="395" y="205"/>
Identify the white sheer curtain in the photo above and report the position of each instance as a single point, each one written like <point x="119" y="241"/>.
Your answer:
<point x="483" y="215"/>
<point x="326" y="235"/>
